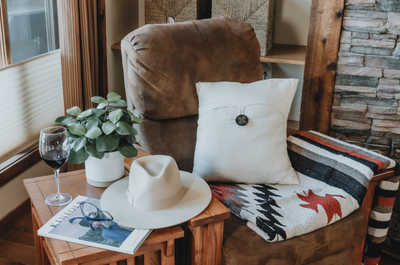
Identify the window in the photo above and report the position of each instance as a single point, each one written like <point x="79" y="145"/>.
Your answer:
<point x="32" y="28"/>
<point x="30" y="80"/>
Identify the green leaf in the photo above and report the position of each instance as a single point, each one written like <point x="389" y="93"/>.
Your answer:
<point x="134" y="118"/>
<point x="120" y="103"/>
<point x="91" y="149"/>
<point x="85" y="114"/>
<point x="66" y="120"/>
<point x="98" y="112"/>
<point x="124" y="128"/>
<point x="78" y="157"/>
<point x="74" y="111"/>
<point x="92" y="122"/>
<point x="131" y="139"/>
<point x="113" y="97"/>
<point x="107" y="143"/>
<point x="93" y="132"/>
<point x="77" y="129"/>
<point x="108" y="127"/>
<point x="128" y="150"/>
<point x="98" y="100"/>
<point x="115" y="115"/>
<point x="102" y="105"/>
<point x="78" y="143"/>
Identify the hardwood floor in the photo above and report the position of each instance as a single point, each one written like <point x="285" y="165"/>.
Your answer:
<point x="17" y="248"/>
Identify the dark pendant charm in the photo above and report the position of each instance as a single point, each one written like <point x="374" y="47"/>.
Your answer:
<point x="242" y="120"/>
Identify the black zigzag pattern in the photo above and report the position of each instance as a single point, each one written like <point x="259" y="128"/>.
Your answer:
<point x="267" y="221"/>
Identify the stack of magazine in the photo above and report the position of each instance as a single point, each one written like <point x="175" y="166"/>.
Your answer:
<point x="83" y="222"/>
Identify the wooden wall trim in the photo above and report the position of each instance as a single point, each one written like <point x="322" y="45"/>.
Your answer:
<point x="101" y="25"/>
<point x="81" y="38"/>
<point x="70" y="45"/>
<point x="4" y="36"/>
<point x="89" y="50"/>
<point x="321" y="63"/>
<point x="17" y="164"/>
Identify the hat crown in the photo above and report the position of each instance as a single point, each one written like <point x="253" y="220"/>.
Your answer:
<point x="154" y="183"/>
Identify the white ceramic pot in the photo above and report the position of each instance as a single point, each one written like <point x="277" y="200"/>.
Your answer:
<point x="103" y="172"/>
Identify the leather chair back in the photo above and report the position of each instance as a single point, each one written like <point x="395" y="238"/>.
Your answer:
<point x="163" y="62"/>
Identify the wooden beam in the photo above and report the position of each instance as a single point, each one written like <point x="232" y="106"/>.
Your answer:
<point x="321" y="63"/>
<point x="4" y="36"/>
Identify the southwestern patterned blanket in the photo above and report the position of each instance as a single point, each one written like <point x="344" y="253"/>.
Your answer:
<point x="334" y="177"/>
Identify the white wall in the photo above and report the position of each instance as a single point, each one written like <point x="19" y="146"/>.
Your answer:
<point x="13" y="193"/>
<point x="292" y="18"/>
<point x="121" y="18"/>
<point x="291" y="71"/>
<point x="292" y="21"/>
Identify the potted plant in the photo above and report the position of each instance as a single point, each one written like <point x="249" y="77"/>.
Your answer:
<point x="100" y="137"/>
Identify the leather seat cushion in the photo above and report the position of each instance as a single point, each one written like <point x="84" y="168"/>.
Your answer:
<point x="330" y="245"/>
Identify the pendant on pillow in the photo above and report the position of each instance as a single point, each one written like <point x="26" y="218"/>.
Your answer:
<point x="242" y="120"/>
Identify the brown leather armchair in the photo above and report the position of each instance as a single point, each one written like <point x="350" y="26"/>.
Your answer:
<point x="162" y="63"/>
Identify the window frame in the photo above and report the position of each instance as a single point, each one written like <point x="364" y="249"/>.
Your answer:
<point x="19" y="163"/>
<point x="4" y="36"/>
<point x="29" y="156"/>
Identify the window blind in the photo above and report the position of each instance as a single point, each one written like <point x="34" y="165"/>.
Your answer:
<point x="31" y="98"/>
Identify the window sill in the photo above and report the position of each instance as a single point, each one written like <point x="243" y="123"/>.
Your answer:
<point x="18" y="163"/>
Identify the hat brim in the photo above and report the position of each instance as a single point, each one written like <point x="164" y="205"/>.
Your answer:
<point x="196" y="199"/>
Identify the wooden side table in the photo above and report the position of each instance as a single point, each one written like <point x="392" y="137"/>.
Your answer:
<point x="159" y="248"/>
<point x="207" y="229"/>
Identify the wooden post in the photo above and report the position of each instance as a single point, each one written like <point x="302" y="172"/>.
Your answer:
<point x="321" y="62"/>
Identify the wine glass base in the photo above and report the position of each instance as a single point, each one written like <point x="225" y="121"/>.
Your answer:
<point x="58" y="199"/>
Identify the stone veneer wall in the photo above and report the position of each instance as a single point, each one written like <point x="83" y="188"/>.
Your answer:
<point x="366" y="107"/>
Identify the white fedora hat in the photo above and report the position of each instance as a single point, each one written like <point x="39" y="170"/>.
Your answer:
<point x="155" y="195"/>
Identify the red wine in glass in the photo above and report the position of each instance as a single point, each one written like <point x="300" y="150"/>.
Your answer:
<point x="54" y="151"/>
<point x="55" y="159"/>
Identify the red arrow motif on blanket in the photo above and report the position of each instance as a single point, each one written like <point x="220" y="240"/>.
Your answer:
<point x="330" y="204"/>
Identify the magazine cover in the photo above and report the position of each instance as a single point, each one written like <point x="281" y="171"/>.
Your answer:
<point x="83" y="222"/>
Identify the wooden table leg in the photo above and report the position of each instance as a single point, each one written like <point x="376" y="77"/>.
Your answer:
<point x="207" y="244"/>
<point x="40" y="254"/>
<point x="151" y="258"/>
<point x="168" y="253"/>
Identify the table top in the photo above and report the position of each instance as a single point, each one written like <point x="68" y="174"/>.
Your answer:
<point x="75" y="184"/>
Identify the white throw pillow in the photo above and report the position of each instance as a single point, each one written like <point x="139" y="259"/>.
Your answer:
<point x="250" y="148"/>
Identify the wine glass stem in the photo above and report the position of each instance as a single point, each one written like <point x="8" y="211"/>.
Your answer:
<point x="57" y="173"/>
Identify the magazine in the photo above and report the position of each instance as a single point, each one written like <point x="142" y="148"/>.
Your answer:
<point x="83" y="222"/>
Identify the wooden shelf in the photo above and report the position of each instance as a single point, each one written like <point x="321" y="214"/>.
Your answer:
<point x="286" y="54"/>
<point x="116" y="46"/>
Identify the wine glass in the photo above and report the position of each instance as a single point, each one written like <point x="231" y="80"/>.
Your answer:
<point x="54" y="150"/>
